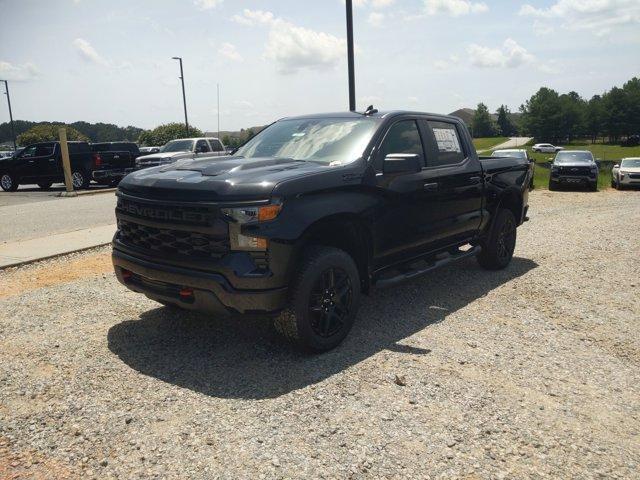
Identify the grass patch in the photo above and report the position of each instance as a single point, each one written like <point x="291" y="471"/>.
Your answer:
<point x="541" y="178"/>
<point x="487" y="143"/>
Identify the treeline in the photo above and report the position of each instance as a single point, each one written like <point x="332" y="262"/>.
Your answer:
<point x="95" y="132"/>
<point x="549" y="116"/>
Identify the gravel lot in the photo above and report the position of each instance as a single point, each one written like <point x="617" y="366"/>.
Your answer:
<point x="526" y="373"/>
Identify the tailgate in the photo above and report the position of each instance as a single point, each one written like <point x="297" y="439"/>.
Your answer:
<point x="113" y="160"/>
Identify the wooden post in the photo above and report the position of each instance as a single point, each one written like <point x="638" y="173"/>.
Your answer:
<point x="66" y="163"/>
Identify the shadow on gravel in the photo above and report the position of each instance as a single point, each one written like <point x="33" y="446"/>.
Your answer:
<point x="245" y="358"/>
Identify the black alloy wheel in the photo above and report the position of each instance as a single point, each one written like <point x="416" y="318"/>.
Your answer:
<point x="330" y="302"/>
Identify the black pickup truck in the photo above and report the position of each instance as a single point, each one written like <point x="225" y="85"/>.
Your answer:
<point x="313" y="212"/>
<point x="113" y="160"/>
<point x="41" y="164"/>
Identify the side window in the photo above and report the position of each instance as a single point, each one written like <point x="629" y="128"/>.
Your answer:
<point x="44" y="150"/>
<point x="202" y="146"/>
<point x="448" y="145"/>
<point x="29" y="152"/>
<point x="403" y="137"/>
<point x="216" y="146"/>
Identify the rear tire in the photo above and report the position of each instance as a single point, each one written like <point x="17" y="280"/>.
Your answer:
<point x="45" y="185"/>
<point x="9" y="182"/>
<point x="497" y="248"/>
<point x="323" y="300"/>
<point x="594" y="187"/>
<point x="80" y="180"/>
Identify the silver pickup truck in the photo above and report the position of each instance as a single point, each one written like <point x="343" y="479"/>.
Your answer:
<point x="184" y="148"/>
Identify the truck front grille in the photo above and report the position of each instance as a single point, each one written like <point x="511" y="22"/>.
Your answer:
<point x="169" y="242"/>
<point x="575" y="170"/>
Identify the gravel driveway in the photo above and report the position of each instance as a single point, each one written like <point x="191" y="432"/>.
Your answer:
<point x="529" y="372"/>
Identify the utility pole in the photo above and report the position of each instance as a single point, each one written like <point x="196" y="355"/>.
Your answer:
<point x="13" y="133"/>
<point x="350" y="59"/>
<point x="218" y="86"/>
<point x="184" y="96"/>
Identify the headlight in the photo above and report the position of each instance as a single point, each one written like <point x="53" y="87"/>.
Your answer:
<point x="248" y="215"/>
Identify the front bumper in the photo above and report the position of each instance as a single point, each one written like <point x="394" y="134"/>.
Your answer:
<point x="574" y="179"/>
<point x="628" y="181"/>
<point x="114" y="174"/>
<point x="210" y="292"/>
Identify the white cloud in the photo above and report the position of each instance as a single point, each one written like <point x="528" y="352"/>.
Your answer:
<point x="454" y="8"/>
<point x="375" y="19"/>
<point x="207" y="4"/>
<point x="252" y="17"/>
<point x="598" y="16"/>
<point x="511" y="55"/>
<point x="18" y="73"/>
<point x="443" y="65"/>
<point x="88" y="53"/>
<point x="230" y="51"/>
<point x="292" y="47"/>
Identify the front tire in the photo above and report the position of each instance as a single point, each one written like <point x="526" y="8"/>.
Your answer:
<point x="553" y="185"/>
<point x="594" y="187"/>
<point x="9" y="182"/>
<point x="323" y="300"/>
<point x="80" y="180"/>
<point x="497" y="248"/>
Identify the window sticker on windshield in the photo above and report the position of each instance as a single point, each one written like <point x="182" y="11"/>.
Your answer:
<point x="447" y="140"/>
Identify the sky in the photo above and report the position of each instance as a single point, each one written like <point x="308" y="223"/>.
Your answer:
<point x="110" y="60"/>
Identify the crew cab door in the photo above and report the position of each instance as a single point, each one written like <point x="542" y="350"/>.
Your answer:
<point x="202" y="148"/>
<point x="217" y="148"/>
<point x="37" y="161"/>
<point x="403" y="221"/>
<point x="455" y="172"/>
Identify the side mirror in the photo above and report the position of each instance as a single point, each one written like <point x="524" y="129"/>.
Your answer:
<point x="402" y="163"/>
<point x="617" y="165"/>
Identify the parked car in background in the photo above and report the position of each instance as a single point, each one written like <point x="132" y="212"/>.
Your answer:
<point x="631" y="141"/>
<point x="312" y="213"/>
<point x="626" y="173"/>
<point x="574" y="167"/>
<point x="113" y="160"/>
<point x="6" y="154"/>
<point x="516" y="153"/>
<point x="546" y="148"/>
<point x="41" y="164"/>
<point x="184" y="148"/>
<point x="149" y="150"/>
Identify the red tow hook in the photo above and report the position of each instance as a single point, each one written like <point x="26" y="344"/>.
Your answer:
<point x="186" y="293"/>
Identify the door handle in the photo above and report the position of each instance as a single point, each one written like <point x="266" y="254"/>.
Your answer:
<point x="430" y="187"/>
<point x="474" y="180"/>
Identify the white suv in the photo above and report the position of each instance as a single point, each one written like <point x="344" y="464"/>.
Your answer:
<point x="546" y="148"/>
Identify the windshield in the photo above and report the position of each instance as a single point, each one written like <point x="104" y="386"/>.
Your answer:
<point x="326" y="140"/>
<point x="574" y="157"/>
<point x="509" y="153"/>
<point x="178" y="146"/>
<point x="631" y="163"/>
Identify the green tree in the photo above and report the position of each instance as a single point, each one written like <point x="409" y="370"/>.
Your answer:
<point x="483" y="125"/>
<point x="165" y="133"/>
<point x="594" y="117"/>
<point x="541" y="115"/>
<point x="47" y="132"/>
<point x="632" y="111"/>
<point x="572" y="112"/>
<point x="506" y="126"/>
<point x="615" y="109"/>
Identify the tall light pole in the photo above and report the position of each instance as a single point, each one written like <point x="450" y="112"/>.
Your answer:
<point x="218" y="87"/>
<point x="13" y="133"/>
<point x="184" y="96"/>
<point x="350" y="60"/>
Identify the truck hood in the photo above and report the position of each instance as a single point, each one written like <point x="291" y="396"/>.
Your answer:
<point x="163" y="156"/>
<point x="575" y="164"/>
<point x="218" y="179"/>
<point x="630" y="169"/>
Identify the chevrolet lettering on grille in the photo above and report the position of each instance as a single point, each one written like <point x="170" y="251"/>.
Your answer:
<point x="162" y="214"/>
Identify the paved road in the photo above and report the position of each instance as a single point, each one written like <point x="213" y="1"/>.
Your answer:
<point x="42" y="214"/>
<point x="31" y="193"/>
<point x="513" y="142"/>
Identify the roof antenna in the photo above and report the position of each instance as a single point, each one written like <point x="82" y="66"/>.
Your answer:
<point x="370" y="110"/>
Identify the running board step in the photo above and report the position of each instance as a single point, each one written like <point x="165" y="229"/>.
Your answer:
<point x="403" y="277"/>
